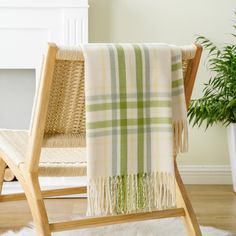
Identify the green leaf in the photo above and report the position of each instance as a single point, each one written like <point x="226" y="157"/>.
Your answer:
<point x="218" y="102"/>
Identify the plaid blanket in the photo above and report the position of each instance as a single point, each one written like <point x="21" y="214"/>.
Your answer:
<point x="135" y="121"/>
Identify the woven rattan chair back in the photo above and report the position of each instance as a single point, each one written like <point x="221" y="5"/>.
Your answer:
<point x="65" y="122"/>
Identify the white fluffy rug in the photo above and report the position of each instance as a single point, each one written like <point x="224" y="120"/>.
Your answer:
<point x="163" y="227"/>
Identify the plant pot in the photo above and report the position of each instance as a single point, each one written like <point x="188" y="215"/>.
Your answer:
<point x="231" y="131"/>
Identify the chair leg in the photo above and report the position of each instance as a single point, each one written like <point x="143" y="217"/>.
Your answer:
<point x="2" y="172"/>
<point x="190" y="220"/>
<point x="36" y="204"/>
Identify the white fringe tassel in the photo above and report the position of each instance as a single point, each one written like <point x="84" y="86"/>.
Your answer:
<point x="180" y="136"/>
<point x="131" y="194"/>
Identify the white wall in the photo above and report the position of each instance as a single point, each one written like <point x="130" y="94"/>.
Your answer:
<point x="17" y="89"/>
<point x="171" y="21"/>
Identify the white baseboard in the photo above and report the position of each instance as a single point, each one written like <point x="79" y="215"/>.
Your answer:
<point x="206" y="174"/>
<point x="191" y="174"/>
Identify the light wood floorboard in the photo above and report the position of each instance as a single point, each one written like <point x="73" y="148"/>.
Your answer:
<point x="215" y="205"/>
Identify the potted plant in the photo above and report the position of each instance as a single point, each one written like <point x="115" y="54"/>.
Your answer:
<point x="218" y="103"/>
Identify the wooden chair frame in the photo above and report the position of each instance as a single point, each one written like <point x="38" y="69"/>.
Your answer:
<point x="30" y="182"/>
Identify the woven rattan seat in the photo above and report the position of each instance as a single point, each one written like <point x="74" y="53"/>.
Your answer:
<point x="53" y="161"/>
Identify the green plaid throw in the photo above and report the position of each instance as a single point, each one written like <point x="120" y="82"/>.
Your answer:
<point x="135" y="120"/>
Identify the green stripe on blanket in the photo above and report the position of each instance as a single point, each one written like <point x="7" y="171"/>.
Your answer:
<point x="140" y="106"/>
<point x="127" y="105"/>
<point x="176" y="66"/>
<point x="177" y="83"/>
<point x="135" y="121"/>
<point x="123" y="110"/>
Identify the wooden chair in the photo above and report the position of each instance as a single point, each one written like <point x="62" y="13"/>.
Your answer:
<point x="59" y="122"/>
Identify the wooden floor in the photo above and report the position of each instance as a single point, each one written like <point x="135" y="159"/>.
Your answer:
<point x="215" y="205"/>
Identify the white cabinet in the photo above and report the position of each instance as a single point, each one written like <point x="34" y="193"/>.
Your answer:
<point x="26" y="26"/>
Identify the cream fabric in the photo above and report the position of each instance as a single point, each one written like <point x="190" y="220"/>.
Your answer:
<point x="135" y="108"/>
<point x="53" y="161"/>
